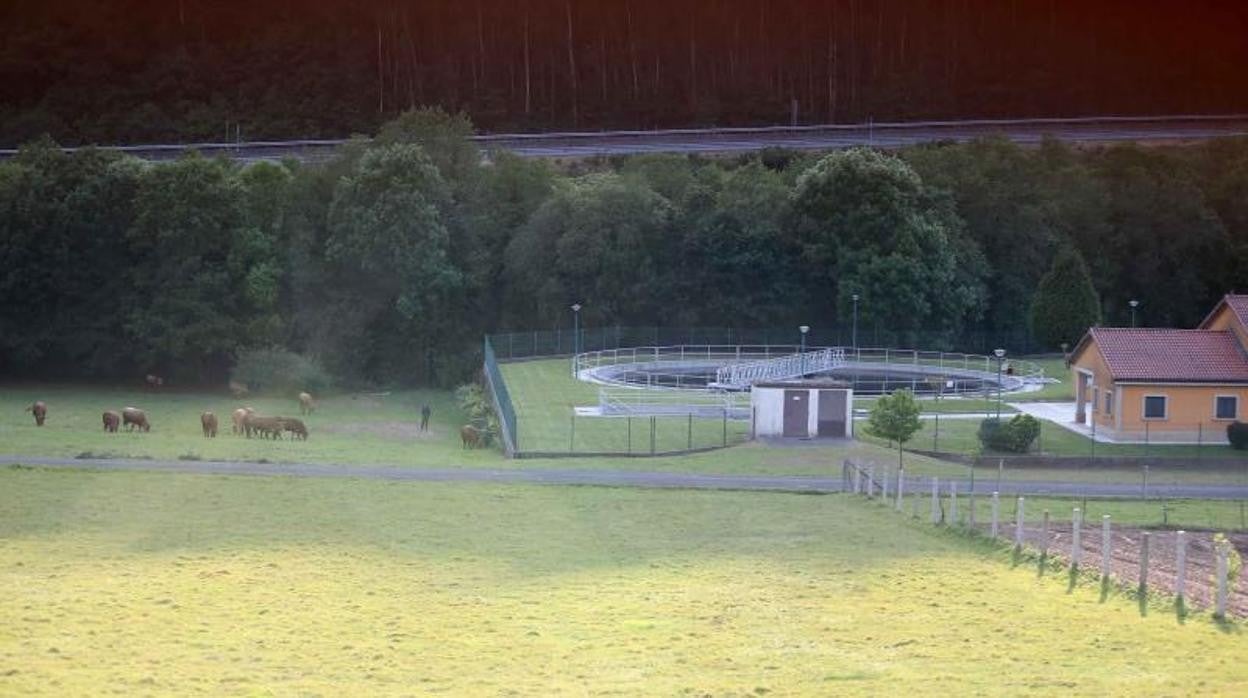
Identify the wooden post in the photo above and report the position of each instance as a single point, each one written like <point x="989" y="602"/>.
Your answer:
<point x="1018" y="524"/>
<point x="996" y="512"/>
<point x="953" y="502"/>
<point x="1044" y="534"/>
<point x="1180" y="563"/>
<point x="935" y="501"/>
<point x="870" y="479"/>
<point x="1221" y="553"/>
<point x="1145" y="541"/>
<point x="1106" y="545"/>
<point x="1076" y="537"/>
<point x="888" y="475"/>
<point x="972" y="498"/>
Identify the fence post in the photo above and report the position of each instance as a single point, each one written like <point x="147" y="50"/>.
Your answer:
<point x="1144" y="484"/>
<point x="901" y="487"/>
<point x="1019" y="515"/>
<point x="725" y="443"/>
<point x="935" y="501"/>
<point x="652" y="426"/>
<point x="888" y="475"/>
<point x="1221" y="553"/>
<point x="572" y="435"/>
<point x="1180" y="564"/>
<point x="1044" y="534"/>
<point x="996" y="512"/>
<point x="629" y="448"/>
<point x="1145" y="542"/>
<point x="689" y="434"/>
<point x="1076" y="538"/>
<point x="870" y="479"/>
<point x="953" y="502"/>
<point x="1106" y="545"/>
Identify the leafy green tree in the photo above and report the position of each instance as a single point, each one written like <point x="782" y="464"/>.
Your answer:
<point x="1065" y="304"/>
<point x="866" y="224"/>
<point x="896" y="418"/>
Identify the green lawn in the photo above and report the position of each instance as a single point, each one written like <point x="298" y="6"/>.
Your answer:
<point x="138" y="583"/>
<point x="1051" y="392"/>
<point x="947" y="405"/>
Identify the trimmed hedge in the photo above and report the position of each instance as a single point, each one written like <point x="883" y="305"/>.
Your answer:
<point x="1237" y="434"/>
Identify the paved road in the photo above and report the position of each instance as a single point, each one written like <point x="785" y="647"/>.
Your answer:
<point x="612" y="478"/>
<point x="736" y="140"/>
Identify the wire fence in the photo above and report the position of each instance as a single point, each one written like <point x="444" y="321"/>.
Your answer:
<point x="567" y="341"/>
<point x="501" y="398"/>
<point x="1182" y="549"/>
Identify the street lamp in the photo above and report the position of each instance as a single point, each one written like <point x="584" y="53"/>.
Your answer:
<point x="803" y="329"/>
<point x="855" y="335"/>
<point x="1000" y="354"/>
<point x="1134" y="304"/>
<point x="576" y="329"/>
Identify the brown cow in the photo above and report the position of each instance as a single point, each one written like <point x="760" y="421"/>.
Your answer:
<point x="238" y="416"/>
<point x="238" y="389"/>
<point x="296" y="427"/>
<point x="470" y="436"/>
<point x="154" y="381"/>
<point x="40" y="410"/>
<point x="306" y="405"/>
<point x="208" y="421"/>
<point x="132" y="417"/>
<point x="111" y="421"/>
<point x="270" y="427"/>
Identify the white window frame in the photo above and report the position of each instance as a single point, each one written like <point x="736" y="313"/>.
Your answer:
<point x="1109" y="403"/>
<point x="1215" y="408"/>
<point x="1165" y="411"/>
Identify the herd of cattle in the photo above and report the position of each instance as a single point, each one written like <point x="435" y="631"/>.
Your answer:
<point x="247" y="421"/>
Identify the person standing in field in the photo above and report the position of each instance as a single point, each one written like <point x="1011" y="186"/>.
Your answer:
<point x="425" y="411"/>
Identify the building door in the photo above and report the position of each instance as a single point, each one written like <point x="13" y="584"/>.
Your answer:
<point x="796" y="412"/>
<point x="832" y="413"/>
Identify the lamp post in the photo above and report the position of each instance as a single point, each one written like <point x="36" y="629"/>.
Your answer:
<point x="855" y="335"/>
<point x="1134" y="304"/>
<point x="576" y="329"/>
<point x="1000" y="354"/>
<point x="803" y="329"/>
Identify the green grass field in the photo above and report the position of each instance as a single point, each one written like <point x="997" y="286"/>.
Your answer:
<point x="1052" y="392"/>
<point x="344" y="429"/>
<point x="137" y="583"/>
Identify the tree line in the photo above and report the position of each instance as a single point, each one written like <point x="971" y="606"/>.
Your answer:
<point x="129" y="71"/>
<point x="388" y="262"/>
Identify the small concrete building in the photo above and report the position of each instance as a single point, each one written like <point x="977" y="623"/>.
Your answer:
<point x="802" y="409"/>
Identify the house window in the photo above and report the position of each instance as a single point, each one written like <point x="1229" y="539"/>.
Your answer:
<point x="1109" y="403"/>
<point x="1154" y="407"/>
<point x="1226" y="407"/>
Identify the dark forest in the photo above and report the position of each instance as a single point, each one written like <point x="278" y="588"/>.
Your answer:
<point x="129" y="71"/>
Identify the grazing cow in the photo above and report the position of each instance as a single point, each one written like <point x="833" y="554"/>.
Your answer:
<point x="132" y="417"/>
<point x="296" y="428"/>
<point x="470" y="436"/>
<point x="154" y="381"/>
<point x="208" y="421"/>
<point x="269" y="427"/>
<point x="305" y="404"/>
<point x="238" y="416"/>
<point x="238" y="389"/>
<point x="112" y="420"/>
<point x="40" y="410"/>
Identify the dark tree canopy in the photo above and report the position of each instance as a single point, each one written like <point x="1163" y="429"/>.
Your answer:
<point x="1065" y="303"/>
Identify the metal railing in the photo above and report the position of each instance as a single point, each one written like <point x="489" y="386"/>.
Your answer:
<point x="743" y="375"/>
<point x="699" y="403"/>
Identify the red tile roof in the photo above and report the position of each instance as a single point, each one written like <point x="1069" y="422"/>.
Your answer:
<point x="1168" y="355"/>
<point x="1238" y="305"/>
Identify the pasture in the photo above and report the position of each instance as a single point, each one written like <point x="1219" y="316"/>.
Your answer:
<point x="353" y="428"/>
<point x="180" y="584"/>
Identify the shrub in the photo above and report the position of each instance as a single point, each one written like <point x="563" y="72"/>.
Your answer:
<point x="279" y="372"/>
<point x="479" y="409"/>
<point x="1014" y="436"/>
<point x="1237" y="434"/>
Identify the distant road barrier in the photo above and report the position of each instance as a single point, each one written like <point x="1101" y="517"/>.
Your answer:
<point x="1099" y="129"/>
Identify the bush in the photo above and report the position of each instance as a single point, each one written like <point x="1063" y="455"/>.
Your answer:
<point x="1237" y="434"/>
<point x="279" y="372"/>
<point x="1014" y="436"/>
<point x="479" y="409"/>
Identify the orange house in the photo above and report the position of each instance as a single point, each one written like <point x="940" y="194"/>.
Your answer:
<point x="1165" y="385"/>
